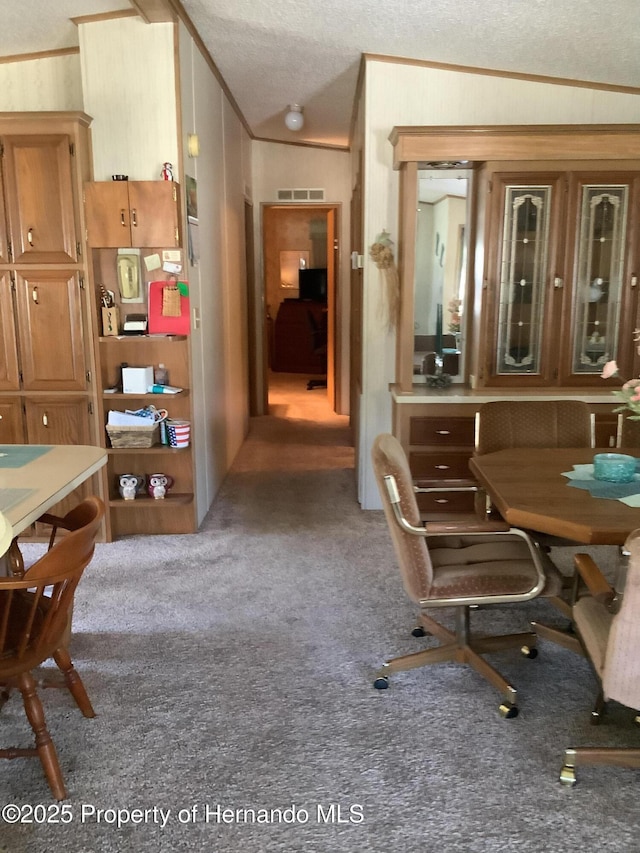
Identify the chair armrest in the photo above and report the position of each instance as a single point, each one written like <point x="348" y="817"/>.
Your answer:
<point x="462" y="528"/>
<point x="596" y="582"/>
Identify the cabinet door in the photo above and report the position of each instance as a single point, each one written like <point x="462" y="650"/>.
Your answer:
<point x="53" y="420"/>
<point x="598" y="304"/>
<point x="9" y="373"/>
<point x="39" y="198"/>
<point x="11" y="427"/>
<point x="525" y="269"/>
<point x="4" y="255"/>
<point x="107" y="214"/>
<point x="154" y="213"/>
<point x="50" y="331"/>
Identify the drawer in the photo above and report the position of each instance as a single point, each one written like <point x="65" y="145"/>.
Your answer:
<point x="440" y="465"/>
<point x="433" y="503"/>
<point x="453" y="431"/>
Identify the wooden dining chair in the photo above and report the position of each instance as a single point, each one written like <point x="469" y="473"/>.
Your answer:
<point x="34" y="616"/>
<point x="608" y="626"/>
<point x="457" y="565"/>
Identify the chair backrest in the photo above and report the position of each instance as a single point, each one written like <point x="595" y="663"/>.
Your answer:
<point x="628" y="432"/>
<point x="503" y="424"/>
<point x="621" y="671"/>
<point x="412" y="554"/>
<point x="34" y="609"/>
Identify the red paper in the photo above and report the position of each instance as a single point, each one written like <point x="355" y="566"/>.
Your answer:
<point x="159" y="325"/>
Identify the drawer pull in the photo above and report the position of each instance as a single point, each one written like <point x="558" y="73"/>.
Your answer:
<point x="30" y="237"/>
<point x="134" y="218"/>
<point x="442" y="467"/>
<point x="34" y="295"/>
<point x="443" y="432"/>
<point x="45" y="420"/>
<point x="442" y="501"/>
<point x="122" y="220"/>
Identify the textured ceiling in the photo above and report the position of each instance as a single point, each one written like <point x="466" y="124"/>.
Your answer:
<point x="273" y="53"/>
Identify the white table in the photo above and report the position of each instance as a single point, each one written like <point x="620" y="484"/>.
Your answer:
<point x="35" y="486"/>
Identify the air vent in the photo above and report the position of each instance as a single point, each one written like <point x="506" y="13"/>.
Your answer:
<point x="300" y="195"/>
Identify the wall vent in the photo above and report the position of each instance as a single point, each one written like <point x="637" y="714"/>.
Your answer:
<point x="300" y="195"/>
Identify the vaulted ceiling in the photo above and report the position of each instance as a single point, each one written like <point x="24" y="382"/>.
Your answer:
<point x="272" y="54"/>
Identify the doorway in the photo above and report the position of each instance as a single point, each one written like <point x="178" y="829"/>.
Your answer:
<point x="300" y="251"/>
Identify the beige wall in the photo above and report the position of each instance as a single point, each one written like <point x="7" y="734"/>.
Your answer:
<point x="217" y="282"/>
<point x="277" y="166"/>
<point x="396" y="94"/>
<point x="50" y="83"/>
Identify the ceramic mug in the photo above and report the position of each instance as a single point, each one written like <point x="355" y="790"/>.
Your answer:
<point x="159" y="485"/>
<point x="130" y="485"/>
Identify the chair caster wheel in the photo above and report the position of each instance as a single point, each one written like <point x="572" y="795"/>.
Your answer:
<point x="381" y="683"/>
<point x="529" y="652"/>
<point x="568" y="777"/>
<point x="508" y="711"/>
<point x="418" y="631"/>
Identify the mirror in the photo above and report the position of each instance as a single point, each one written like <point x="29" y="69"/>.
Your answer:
<point x="440" y="274"/>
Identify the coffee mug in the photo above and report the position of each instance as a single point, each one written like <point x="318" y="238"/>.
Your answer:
<point x="159" y="485"/>
<point x="130" y="485"/>
<point x="178" y="432"/>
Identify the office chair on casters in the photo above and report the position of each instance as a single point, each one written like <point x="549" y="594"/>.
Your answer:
<point x="608" y="626"/>
<point x="458" y="565"/>
<point x="34" y="617"/>
<point x="318" y="347"/>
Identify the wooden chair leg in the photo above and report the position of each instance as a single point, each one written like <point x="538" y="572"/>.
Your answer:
<point x="73" y="681"/>
<point x="44" y="745"/>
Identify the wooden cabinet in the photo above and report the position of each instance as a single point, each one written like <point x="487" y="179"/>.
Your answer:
<point x="11" y="425"/>
<point x="47" y="394"/>
<point x="39" y="198"/>
<point x="120" y="214"/>
<point x="560" y="292"/>
<point x="50" y="330"/>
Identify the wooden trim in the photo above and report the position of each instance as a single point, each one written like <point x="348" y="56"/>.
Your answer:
<point x="301" y="144"/>
<point x="155" y="11"/>
<point x="104" y="16"/>
<point x="513" y="75"/>
<point x="42" y="122"/>
<point x="44" y="54"/>
<point x="407" y="266"/>
<point x="516" y="142"/>
<point x="356" y="99"/>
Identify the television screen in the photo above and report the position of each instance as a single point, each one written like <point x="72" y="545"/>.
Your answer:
<point x="312" y="284"/>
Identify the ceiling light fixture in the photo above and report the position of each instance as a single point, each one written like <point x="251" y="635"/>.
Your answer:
<point x="294" y="119"/>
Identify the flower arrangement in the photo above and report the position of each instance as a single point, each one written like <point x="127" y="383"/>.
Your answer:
<point x="629" y="394"/>
<point x="454" y="310"/>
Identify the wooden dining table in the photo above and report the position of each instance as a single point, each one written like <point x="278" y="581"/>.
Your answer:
<point x="528" y="489"/>
<point x="33" y="478"/>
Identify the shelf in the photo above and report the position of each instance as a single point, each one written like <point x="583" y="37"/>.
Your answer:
<point x="156" y="449"/>
<point x="118" y="395"/>
<point x="143" y="502"/>
<point x="166" y="339"/>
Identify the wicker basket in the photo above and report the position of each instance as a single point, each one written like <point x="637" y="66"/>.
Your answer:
<point x="134" y="436"/>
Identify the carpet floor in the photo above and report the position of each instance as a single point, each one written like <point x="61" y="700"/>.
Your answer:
<point x="231" y="671"/>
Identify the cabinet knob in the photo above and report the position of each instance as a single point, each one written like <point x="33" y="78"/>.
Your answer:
<point x="558" y="282"/>
<point x="45" y="419"/>
<point x="30" y="237"/>
<point x="634" y="280"/>
<point x="34" y="295"/>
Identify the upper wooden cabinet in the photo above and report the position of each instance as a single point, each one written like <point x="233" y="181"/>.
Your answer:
<point x="37" y="173"/>
<point x="50" y="331"/>
<point x="9" y="370"/>
<point x="560" y="284"/>
<point x="141" y="214"/>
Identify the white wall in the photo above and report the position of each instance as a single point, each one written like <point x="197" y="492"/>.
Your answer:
<point x="413" y="95"/>
<point x="277" y="166"/>
<point x="50" y="83"/>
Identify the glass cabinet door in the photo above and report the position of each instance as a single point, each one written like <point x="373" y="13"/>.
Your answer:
<point x="522" y="280"/>
<point x="598" y="276"/>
